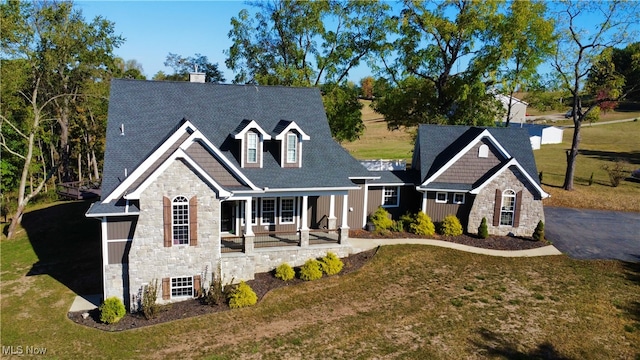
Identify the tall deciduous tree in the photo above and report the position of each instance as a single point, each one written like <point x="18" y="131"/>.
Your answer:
<point x="343" y="111"/>
<point x="62" y="53"/>
<point x="434" y="40"/>
<point x="305" y="43"/>
<point x="581" y="42"/>
<point x="182" y="66"/>
<point x="523" y="39"/>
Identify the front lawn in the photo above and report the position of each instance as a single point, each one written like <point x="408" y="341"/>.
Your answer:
<point x="410" y="301"/>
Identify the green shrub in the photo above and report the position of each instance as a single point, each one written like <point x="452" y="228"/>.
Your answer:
<point x="381" y="219"/>
<point x="451" y="226"/>
<point x="483" y="232"/>
<point x="593" y="115"/>
<point x="285" y="272"/>
<point x="310" y="270"/>
<point x="149" y="297"/>
<point x="422" y="225"/>
<point x="617" y="172"/>
<point x="398" y="226"/>
<point x="538" y="234"/>
<point x="112" y="310"/>
<point x="331" y="264"/>
<point x="242" y="295"/>
<point x="407" y="219"/>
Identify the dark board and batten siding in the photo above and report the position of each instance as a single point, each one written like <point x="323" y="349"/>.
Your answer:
<point x="438" y="211"/>
<point x="120" y="231"/>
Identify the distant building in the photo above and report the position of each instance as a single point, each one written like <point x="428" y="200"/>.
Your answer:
<point x="542" y="134"/>
<point x="518" y="109"/>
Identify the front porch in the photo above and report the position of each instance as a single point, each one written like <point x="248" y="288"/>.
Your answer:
<point x="231" y="244"/>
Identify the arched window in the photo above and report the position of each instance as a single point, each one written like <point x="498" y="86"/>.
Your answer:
<point x="507" y="210"/>
<point x="483" y="151"/>
<point x="180" y="220"/>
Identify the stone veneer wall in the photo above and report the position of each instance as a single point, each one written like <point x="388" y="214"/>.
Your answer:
<point x="148" y="258"/>
<point x="241" y="266"/>
<point x="531" y="210"/>
<point x="114" y="282"/>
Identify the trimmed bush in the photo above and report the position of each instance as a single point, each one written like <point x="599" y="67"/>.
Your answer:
<point x="451" y="226"/>
<point x="285" y="272"/>
<point x="483" y="232"/>
<point x="310" y="270"/>
<point x="149" y="296"/>
<point x="538" y="233"/>
<point x="422" y="225"/>
<point x="331" y="264"/>
<point x="112" y="310"/>
<point x="381" y="219"/>
<point x="241" y="296"/>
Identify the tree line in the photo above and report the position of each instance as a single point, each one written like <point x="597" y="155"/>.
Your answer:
<point x="434" y="62"/>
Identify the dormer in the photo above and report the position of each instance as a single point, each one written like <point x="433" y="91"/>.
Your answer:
<point x="290" y="136"/>
<point x="252" y="138"/>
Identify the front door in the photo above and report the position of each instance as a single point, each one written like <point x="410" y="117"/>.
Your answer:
<point x="228" y="217"/>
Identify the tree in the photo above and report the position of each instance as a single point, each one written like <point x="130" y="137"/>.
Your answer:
<point x="129" y="69"/>
<point x="627" y="62"/>
<point x="433" y="40"/>
<point x="60" y="54"/>
<point x="343" y="111"/>
<point x="580" y="42"/>
<point x="524" y="39"/>
<point x="366" y="85"/>
<point x="183" y="66"/>
<point x="305" y="43"/>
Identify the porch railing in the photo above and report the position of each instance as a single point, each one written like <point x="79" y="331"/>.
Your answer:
<point x="230" y="244"/>
<point x="271" y="239"/>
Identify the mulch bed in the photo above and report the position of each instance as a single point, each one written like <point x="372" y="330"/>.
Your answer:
<point x="265" y="282"/>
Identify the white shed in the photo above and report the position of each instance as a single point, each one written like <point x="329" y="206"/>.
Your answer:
<point x="542" y="134"/>
<point x="518" y="109"/>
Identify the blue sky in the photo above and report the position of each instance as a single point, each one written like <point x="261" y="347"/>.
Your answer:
<point x="153" y="29"/>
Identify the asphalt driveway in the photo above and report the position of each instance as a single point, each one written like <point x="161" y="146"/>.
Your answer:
<point x="594" y="234"/>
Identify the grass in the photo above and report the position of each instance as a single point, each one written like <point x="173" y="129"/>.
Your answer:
<point x="600" y="145"/>
<point x="408" y="302"/>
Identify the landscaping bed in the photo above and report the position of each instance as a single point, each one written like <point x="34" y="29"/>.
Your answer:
<point x="265" y="282"/>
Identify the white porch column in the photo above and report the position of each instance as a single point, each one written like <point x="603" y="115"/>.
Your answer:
<point x="331" y="223"/>
<point x="343" y="233"/>
<point x="303" y="216"/>
<point x="248" y="229"/>
<point x="424" y="202"/>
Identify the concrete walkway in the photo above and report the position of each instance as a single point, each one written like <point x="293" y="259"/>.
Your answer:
<point x="85" y="302"/>
<point x="360" y="245"/>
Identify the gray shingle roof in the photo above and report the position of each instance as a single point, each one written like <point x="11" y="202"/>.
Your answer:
<point x="438" y="144"/>
<point x="152" y="110"/>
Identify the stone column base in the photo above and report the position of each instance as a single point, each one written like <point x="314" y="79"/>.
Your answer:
<point x="304" y="238"/>
<point x="248" y="244"/>
<point x="343" y="235"/>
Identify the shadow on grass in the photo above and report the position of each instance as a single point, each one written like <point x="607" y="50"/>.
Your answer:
<point x="67" y="245"/>
<point x="632" y="273"/>
<point x="495" y="345"/>
<point x="633" y="157"/>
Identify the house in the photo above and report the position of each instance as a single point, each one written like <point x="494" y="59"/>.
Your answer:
<point x="204" y="180"/>
<point x="232" y="180"/>
<point x="518" y="108"/>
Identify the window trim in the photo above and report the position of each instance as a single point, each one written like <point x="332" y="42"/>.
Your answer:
<point x="459" y="202"/>
<point x="446" y="197"/>
<point x="188" y="279"/>
<point x="250" y="135"/>
<point x="508" y="194"/>
<point x="293" y="210"/>
<point x="396" y="189"/>
<point x="291" y="139"/>
<point x="262" y="201"/>
<point x="185" y="221"/>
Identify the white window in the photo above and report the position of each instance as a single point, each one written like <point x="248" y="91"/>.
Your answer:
<point x="182" y="286"/>
<point x="180" y="220"/>
<point x="441" y="197"/>
<point x="268" y="211"/>
<point x="458" y="198"/>
<point x="483" y="151"/>
<point x="254" y="212"/>
<point x="252" y="147"/>
<point x="287" y="210"/>
<point x="508" y="207"/>
<point x="292" y="148"/>
<point x="391" y="196"/>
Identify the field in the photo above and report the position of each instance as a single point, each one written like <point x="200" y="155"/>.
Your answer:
<point x="600" y="145"/>
<point x="409" y="302"/>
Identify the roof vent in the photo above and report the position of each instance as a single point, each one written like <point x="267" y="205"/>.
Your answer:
<point x="121" y="129"/>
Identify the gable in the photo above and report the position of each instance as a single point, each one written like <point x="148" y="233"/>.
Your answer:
<point x="213" y="167"/>
<point x="470" y="167"/>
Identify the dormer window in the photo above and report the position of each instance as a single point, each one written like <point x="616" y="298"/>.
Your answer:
<point x="252" y="138"/>
<point x="292" y="148"/>
<point x="291" y="137"/>
<point x="252" y="148"/>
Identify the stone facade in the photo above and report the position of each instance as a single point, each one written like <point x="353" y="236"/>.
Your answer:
<point x="531" y="210"/>
<point x="148" y="258"/>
